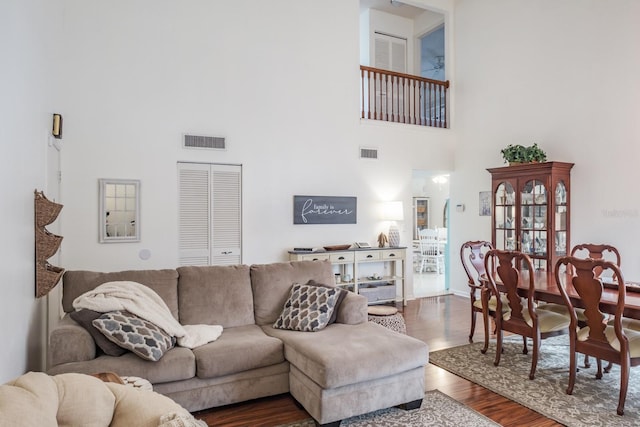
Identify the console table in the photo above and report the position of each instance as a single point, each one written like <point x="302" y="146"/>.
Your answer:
<point x="376" y="273"/>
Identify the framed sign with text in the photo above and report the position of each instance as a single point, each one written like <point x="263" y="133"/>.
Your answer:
<point x="324" y="210"/>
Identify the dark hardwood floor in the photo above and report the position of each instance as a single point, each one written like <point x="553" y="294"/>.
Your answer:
<point x="441" y="322"/>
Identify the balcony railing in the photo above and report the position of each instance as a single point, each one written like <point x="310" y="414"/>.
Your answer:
<point x="403" y="98"/>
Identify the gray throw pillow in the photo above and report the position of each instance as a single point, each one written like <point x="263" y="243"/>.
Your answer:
<point x="308" y="308"/>
<point x="135" y="334"/>
<point x="341" y="296"/>
<point x="85" y="318"/>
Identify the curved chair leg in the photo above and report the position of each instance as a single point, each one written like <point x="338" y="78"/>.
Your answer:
<point x="572" y="371"/>
<point x="599" y="365"/>
<point x="496" y="362"/>
<point x="534" y="358"/>
<point x="473" y="324"/>
<point x="485" y="319"/>
<point x="525" y="350"/>
<point x="586" y="361"/>
<point x="608" y="368"/>
<point x="624" y="384"/>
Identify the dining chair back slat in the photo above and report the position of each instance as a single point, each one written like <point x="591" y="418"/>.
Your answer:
<point x="606" y="340"/>
<point x="472" y="257"/>
<point x="596" y="251"/>
<point x="523" y="319"/>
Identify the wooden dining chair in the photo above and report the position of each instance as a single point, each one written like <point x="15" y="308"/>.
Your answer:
<point x="594" y="251"/>
<point x="472" y="256"/>
<point x="599" y="251"/>
<point x="523" y="319"/>
<point x="611" y="340"/>
<point x="602" y="251"/>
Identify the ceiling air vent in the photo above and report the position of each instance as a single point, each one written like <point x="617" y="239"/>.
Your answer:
<point x="369" y="153"/>
<point x="205" y="142"/>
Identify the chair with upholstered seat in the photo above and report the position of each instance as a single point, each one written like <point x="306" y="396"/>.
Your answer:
<point x="472" y="257"/>
<point x="594" y="251"/>
<point x="603" y="251"/>
<point x="523" y="319"/>
<point x="610" y="341"/>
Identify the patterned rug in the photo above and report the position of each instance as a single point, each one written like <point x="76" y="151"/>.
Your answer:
<point x="437" y="409"/>
<point x="593" y="402"/>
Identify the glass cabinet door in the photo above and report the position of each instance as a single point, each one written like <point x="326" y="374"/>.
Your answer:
<point x="561" y="219"/>
<point x="505" y="217"/>
<point x="533" y="228"/>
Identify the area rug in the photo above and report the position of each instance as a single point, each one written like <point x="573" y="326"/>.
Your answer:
<point x="437" y="409"/>
<point x="593" y="402"/>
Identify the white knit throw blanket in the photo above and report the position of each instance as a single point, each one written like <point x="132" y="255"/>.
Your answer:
<point x="142" y="301"/>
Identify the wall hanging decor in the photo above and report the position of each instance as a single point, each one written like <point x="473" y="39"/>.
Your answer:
<point x="324" y="210"/>
<point x="47" y="244"/>
<point x="484" y="203"/>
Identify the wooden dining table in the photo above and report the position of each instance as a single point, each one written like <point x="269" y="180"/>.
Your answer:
<point x="546" y="289"/>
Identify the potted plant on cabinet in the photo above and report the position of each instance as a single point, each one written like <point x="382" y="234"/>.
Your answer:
<point x="517" y="154"/>
<point x="536" y="154"/>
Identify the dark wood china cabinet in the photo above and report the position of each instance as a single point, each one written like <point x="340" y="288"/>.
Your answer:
<point x="531" y="210"/>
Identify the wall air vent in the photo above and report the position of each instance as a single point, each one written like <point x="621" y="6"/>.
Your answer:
<point x="204" y="142"/>
<point x="369" y="153"/>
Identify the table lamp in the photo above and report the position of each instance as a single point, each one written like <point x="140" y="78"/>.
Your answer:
<point x="393" y="211"/>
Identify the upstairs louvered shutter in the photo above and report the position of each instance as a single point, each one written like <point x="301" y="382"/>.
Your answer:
<point x="390" y="53"/>
<point x="210" y="214"/>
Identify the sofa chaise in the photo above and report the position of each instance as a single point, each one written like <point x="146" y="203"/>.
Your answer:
<point x="349" y="368"/>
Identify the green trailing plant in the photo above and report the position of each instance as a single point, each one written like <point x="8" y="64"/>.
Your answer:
<point x="521" y="154"/>
<point x="514" y="153"/>
<point x="536" y="154"/>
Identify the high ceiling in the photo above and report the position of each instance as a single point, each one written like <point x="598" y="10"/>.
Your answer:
<point x="394" y="8"/>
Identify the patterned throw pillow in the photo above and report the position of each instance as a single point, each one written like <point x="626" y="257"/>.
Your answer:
<point x="308" y="309"/>
<point x="133" y="333"/>
<point x="342" y="294"/>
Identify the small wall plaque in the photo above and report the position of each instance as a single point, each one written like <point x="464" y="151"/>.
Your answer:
<point x="324" y="210"/>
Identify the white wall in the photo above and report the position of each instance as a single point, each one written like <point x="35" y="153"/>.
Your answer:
<point x="565" y="75"/>
<point x="131" y="77"/>
<point x="25" y="76"/>
<point x="284" y="91"/>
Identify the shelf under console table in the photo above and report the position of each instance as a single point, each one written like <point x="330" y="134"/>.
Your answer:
<point x="376" y="273"/>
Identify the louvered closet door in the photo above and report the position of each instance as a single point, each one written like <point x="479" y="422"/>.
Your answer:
<point x="390" y="54"/>
<point x="210" y="214"/>
<point x="227" y="214"/>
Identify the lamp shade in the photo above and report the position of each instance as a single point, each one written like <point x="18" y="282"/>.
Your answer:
<point x="393" y="211"/>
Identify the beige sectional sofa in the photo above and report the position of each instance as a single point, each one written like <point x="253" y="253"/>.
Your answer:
<point x="349" y="368"/>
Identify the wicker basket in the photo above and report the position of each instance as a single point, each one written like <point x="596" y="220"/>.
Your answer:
<point x="46" y="211"/>
<point x="47" y="277"/>
<point x="47" y="244"/>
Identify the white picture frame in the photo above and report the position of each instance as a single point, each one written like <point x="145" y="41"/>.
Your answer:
<point x="119" y="210"/>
